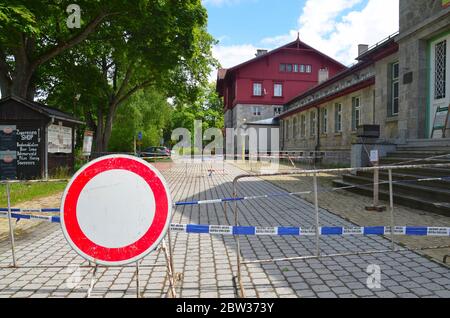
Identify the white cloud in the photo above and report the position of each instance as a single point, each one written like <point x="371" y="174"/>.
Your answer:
<point x="232" y="55"/>
<point x="336" y="28"/>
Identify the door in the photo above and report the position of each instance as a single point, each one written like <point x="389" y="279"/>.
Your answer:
<point x="440" y="79"/>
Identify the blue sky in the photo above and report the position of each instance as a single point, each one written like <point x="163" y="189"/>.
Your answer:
<point x="249" y="21"/>
<point x="335" y="27"/>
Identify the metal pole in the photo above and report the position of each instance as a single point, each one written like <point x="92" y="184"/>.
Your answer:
<point x="391" y="199"/>
<point x="91" y="285"/>
<point x="316" y="204"/>
<point x="11" y="230"/>
<point x="137" y="281"/>
<point x="376" y="185"/>
<point x="238" y="243"/>
<point x="172" y="266"/>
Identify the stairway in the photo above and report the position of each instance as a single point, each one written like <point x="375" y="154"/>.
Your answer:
<point x="432" y="195"/>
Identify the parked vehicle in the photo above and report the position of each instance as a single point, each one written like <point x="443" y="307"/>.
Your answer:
<point x="153" y="152"/>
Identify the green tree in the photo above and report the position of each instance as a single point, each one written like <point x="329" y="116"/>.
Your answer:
<point x="123" y="47"/>
<point x="207" y="107"/>
<point x="147" y="112"/>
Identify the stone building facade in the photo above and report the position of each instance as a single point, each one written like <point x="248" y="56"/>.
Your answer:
<point x="407" y="80"/>
<point x="326" y="118"/>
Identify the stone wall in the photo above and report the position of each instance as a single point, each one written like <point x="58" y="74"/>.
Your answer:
<point x="420" y="21"/>
<point x="383" y="117"/>
<point x="413" y="12"/>
<point x="337" y="145"/>
<point x="244" y="114"/>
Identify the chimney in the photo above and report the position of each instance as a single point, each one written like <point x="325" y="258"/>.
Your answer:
<point x="261" y="52"/>
<point x="323" y="75"/>
<point x="362" y="48"/>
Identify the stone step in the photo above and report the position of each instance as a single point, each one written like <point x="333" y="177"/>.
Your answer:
<point x="406" y="188"/>
<point x="412" y="161"/>
<point x="442" y="208"/>
<point x="418" y="154"/>
<point x="384" y="175"/>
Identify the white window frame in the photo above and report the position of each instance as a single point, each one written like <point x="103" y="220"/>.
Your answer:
<point x="308" y="68"/>
<point x="356" y="112"/>
<point x="395" y="81"/>
<point x="302" y="68"/>
<point x="278" y="110"/>
<point x="338" y="118"/>
<point x="256" y="111"/>
<point x="312" y="123"/>
<point x="324" y="120"/>
<point x="278" y="90"/>
<point x="303" y="126"/>
<point x="256" y="90"/>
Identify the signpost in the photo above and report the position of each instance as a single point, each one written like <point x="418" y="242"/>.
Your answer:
<point x="375" y="159"/>
<point x="116" y="210"/>
<point x="440" y="121"/>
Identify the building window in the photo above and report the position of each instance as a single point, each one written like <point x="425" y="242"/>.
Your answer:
<point x="356" y="113"/>
<point x="295" y="128"/>
<point x="312" y="124"/>
<point x="282" y="67"/>
<point x="324" y="121"/>
<point x="394" y="102"/>
<point x="257" y="89"/>
<point x="338" y="118"/>
<point x="278" y="110"/>
<point x="440" y="70"/>
<point x="278" y="90"/>
<point x="256" y="111"/>
<point x="303" y="126"/>
<point x="295" y="68"/>
<point x="302" y="68"/>
<point x="308" y="69"/>
<point x="289" y="68"/>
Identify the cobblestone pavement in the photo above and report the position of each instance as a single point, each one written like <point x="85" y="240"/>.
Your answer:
<point x="208" y="263"/>
<point x="351" y="207"/>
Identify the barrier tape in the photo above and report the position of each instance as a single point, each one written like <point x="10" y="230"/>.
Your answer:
<point x="257" y="197"/>
<point x="298" y="231"/>
<point x="44" y="218"/>
<point x="276" y="231"/>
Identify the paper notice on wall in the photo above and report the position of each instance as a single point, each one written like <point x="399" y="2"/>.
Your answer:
<point x="87" y="143"/>
<point x="59" y="139"/>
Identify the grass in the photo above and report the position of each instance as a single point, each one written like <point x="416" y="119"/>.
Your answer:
<point x="21" y="192"/>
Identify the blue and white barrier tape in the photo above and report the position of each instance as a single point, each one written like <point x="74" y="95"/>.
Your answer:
<point x="55" y="210"/>
<point x="18" y="216"/>
<point x="276" y="231"/>
<point x="297" y="231"/>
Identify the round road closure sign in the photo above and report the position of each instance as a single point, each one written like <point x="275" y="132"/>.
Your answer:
<point x="116" y="210"/>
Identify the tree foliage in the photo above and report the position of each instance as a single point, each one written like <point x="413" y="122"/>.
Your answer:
<point x="123" y="47"/>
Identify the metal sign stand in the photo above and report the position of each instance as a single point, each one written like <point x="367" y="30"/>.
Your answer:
<point x="376" y="207"/>
<point x="11" y="229"/>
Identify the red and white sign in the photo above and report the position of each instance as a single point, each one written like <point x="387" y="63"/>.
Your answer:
<point x="116" y="210"/>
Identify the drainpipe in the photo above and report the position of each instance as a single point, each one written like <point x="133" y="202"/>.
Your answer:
<point x="318" y="135"/>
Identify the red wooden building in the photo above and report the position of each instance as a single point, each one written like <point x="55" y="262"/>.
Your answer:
<point x="258" y="89"/>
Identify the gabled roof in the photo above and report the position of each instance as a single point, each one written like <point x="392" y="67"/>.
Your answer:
<point x="380" y="50"/>
<point x="43" y="109"/>
<point x="297" y="44"/>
